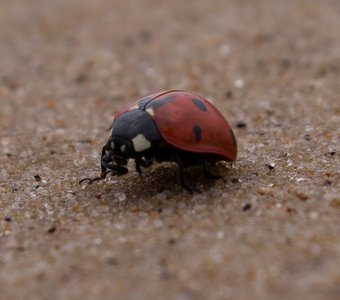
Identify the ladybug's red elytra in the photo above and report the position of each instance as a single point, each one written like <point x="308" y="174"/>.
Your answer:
<point x="173" y="126"/>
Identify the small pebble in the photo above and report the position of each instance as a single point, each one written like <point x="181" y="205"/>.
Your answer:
<point x="330" y="153"/>
<point x="235" y="180"/>
<point x="270" y="166"/>
<point x="52" y="229"/>
<point x="241" y="124"/>
<point x="308" y="137"/>
<point x="302" y="196"/>
<point x="228" y="94"/>
<point x="335" y="203"/>
<point x="313" y="215"/>
<point x="120" y="197"/>
<point x="37" y="178"/>
<point x="171" y="241"/>
<point x="291" y="210"/>
<point x="239" y="83"/>
<point x="246" y="206"/>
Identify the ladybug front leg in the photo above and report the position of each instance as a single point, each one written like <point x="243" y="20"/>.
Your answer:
<point x="91" y="180"/>
<point x="111" y="169"/>
<point x="106" y="168"/>
<point x="103" y="173"/>
<point x="116" y="169"/>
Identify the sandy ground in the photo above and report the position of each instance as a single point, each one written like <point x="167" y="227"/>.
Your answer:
<point x="271" y="231"/>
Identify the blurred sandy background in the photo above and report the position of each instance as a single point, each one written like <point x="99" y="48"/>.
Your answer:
<point x="272" y="231"/>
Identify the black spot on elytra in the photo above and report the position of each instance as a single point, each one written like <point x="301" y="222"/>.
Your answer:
<point x="198" y="132"/>
<point x="199" y="104"/>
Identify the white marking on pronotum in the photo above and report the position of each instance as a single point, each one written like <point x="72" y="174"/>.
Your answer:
<point x="150" y="111"/>
<point x="112" y="145"/>
<point x="140" y="143"/>
<point x="134" y="107"/>
<point x="122" y="148"/>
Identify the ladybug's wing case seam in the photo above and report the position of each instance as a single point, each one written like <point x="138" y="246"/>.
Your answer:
<point x="141" y="103"/>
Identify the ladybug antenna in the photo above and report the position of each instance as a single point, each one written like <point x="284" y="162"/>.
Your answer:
<point x="91" y="180"/>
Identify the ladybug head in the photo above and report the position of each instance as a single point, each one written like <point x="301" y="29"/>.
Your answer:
<point x="133" y="134"/>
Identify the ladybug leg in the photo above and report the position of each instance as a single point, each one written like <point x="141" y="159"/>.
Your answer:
<point x="116" y="169"/>
<point x="207" y="173"/>
<point x="103" y="173"/>
<point x="189" y="189"/>
<point x="145" y="163"/>
<point x="106" y="168"/>
<point x="138" y="168"/>
<point x="91" y="180"/>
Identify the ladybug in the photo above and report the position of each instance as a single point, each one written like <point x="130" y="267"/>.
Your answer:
<point x="171" y="126"/>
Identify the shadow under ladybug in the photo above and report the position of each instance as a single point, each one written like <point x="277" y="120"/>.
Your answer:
<point x="172" y="126"/>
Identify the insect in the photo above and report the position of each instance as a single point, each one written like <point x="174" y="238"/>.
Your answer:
<point x="171" y="126"/>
